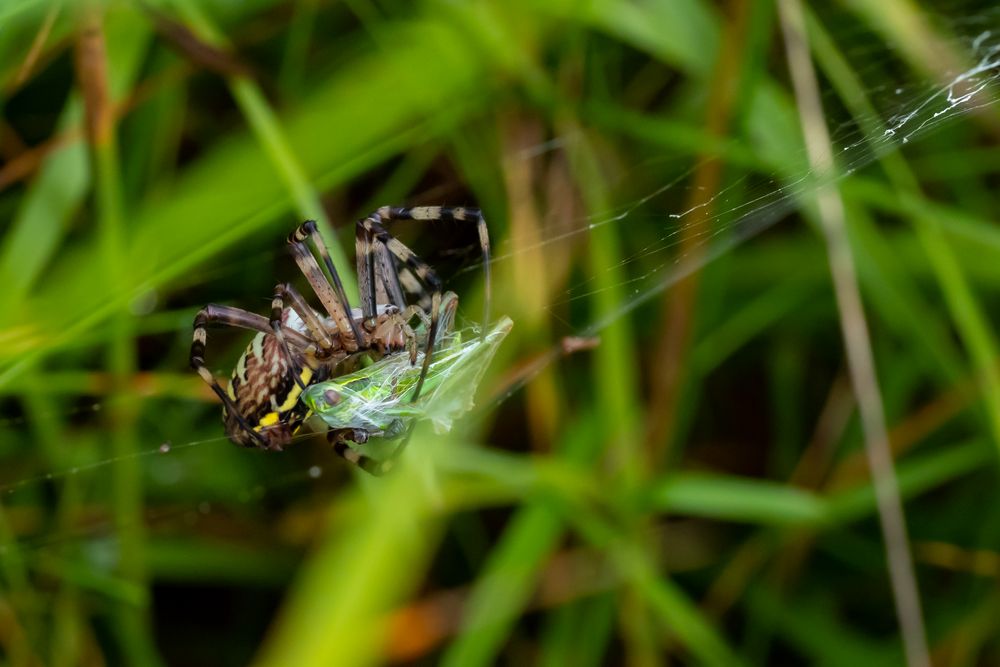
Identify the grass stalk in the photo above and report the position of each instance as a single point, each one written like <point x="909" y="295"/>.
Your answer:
<point x="20" y="599"/>
<point x="300" y="31"/>
<point x="50" y="434"/>
<point x="679" y="303"/>
<point x="857" y="341"/>
<point x="677" y="614"/>
<point x="126" y="485"/>
<point x="615" y="373"/>
<point x="503" y="590"/>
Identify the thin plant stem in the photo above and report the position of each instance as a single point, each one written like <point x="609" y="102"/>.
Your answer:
<point x="857" y="342"/>
<point x="679" y="303"/>
<point x="126" y="485"/>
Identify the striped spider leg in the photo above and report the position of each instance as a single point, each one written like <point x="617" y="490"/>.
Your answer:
<point x="371" y="231"/>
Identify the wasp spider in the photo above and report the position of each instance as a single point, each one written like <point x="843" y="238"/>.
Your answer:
<point x="299" y="345"/>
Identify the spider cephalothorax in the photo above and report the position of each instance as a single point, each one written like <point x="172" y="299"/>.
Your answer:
<point x="299" y="346"/>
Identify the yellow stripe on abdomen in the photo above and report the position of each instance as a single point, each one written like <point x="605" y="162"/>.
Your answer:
<point x="296" y="390"/>
<point x="272" y="418"/>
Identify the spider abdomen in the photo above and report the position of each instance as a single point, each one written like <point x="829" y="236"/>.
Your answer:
<point x="263" y="386"/>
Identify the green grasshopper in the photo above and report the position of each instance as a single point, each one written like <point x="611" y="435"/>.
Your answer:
<point x="375" y="401"/>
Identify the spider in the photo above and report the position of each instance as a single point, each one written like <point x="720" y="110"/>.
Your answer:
<point x="299" y="345"/>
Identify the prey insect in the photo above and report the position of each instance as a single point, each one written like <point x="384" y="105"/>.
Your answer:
<point x="299" y="346"/>
<point x="381" y="399"/>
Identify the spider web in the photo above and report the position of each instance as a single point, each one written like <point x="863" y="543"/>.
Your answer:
<point x="748" y="206"/>
<point x="902" y="112"/>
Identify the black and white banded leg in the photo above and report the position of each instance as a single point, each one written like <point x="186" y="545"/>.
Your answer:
<point x="329" y="290"/>
<point x="376" y="269"/>
<point x="372" y="231"/>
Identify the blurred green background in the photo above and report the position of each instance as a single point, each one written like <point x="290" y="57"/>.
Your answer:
<point x="692" y="490"/>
